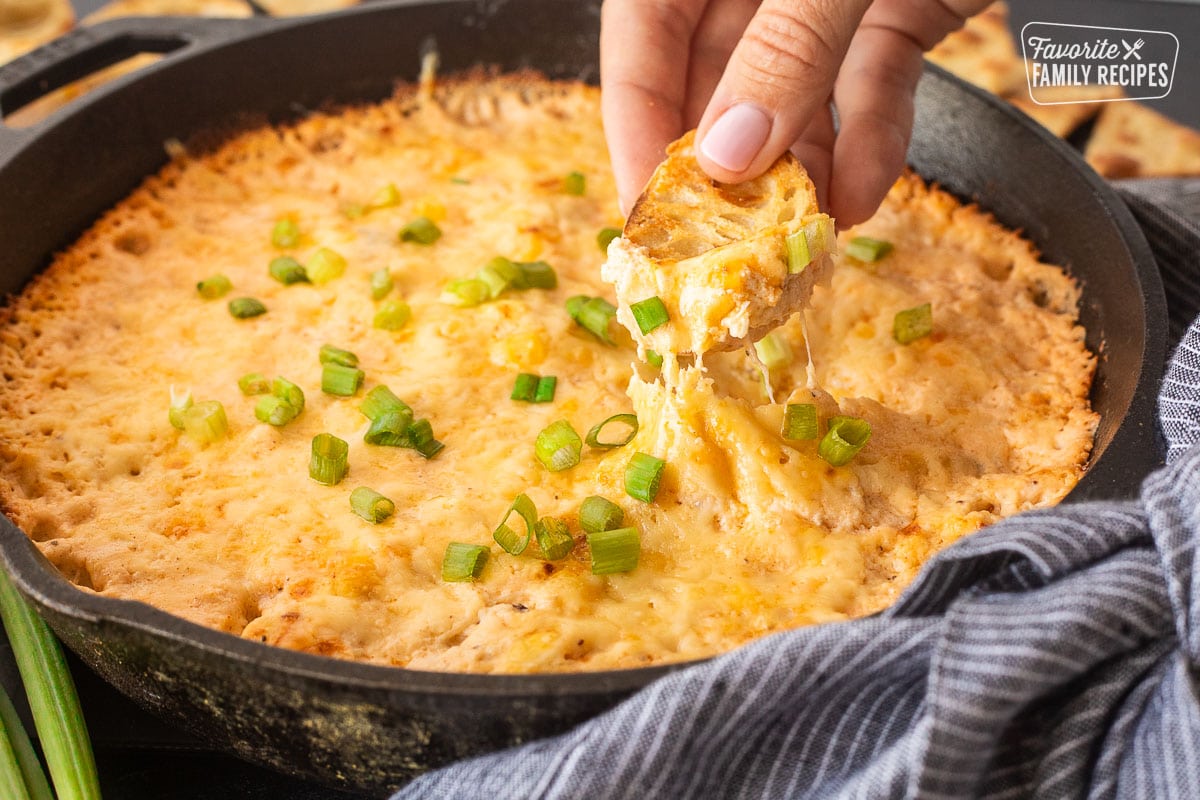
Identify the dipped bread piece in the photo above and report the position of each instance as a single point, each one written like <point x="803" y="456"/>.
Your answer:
<point x="726" y="262"/>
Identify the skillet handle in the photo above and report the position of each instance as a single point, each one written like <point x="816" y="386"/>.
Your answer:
<point x="86" y="49"/>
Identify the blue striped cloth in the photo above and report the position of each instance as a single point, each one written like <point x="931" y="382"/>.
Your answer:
<point x="1055" y="654"/>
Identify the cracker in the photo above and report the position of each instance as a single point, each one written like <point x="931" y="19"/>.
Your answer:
<point x="154" y="8"/>
<point x="294" y="8"/>
<point x="1131" y="140"/>
<point x="983" y="53"/>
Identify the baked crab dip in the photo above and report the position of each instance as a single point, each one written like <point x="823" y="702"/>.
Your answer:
<point x="355" y="386"/>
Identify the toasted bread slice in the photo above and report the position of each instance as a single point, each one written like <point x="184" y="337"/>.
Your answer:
<point x="716" y="254"/>
<point x="1131" y="140"/>
<point x="26" y="24"/>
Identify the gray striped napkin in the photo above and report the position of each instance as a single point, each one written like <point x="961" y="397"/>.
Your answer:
<point x="1055" y="654"/>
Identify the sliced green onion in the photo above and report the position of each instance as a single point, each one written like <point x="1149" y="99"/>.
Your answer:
<point x="593" y="435"/>
<point x="799" y="254"/>
<point x="575" y="183"/>
<point x="554" y="538"/>
<point x="558" y="446"/>
<point x="57" y="714"/>
<point x="21" y="775"/>
<point x="341" y="380"/>
<point x="206" y="422"/>
<point x="246" y="307"/>
<point x="353" y="210"/>
<point x="371" y="505"/>
<point x="381" y="284"/>
<point x="913" y="323"/>
<point x="814" y="239"/>
<point x="643" y="476"/>
<point x="214" y="286"/>
<point x="390" y="429"/>
<point x="598" y="514"/>
<point x="460" y="181"/>
<point x="287" y="270"/>
<point x="524" y="387"/>
<point x="500" y="274"/>
<point x="511" y="541"/>
<point x="180" y="402"/>
<point x="275" y="411"/>
<point x="325" y="265"/>
<point x="593" y="314"/>
<point x="336" y="355"/>
<point x="538" y="275"/>
<point x="866" y="249"/>
<point x="773" y="351"/>
<point x="615" y="551"/>
<point x="466" y="292"/>
<point x="605" y="237"/>
<point x="254" y="383"/>
<point x="392" y="315"/>
<point x="286" y="233"/>
<point x="330" y="459"/>
<point x="545" y="389"/>
<point x="845" y="437"/>
<point x="431" y="448"/>
<point x="385" y="197"/>
<point x="463" y="562"/>
<point x="421" y="433"/>
<point x="800" y="421"/>
<point x="380" y="401"/>
<point x="653" y="358"/>
<point x="575" y="305"/>
<point x="420" y="230"/>
<point x="649" y="314"/>
<point x="289" y="392"/>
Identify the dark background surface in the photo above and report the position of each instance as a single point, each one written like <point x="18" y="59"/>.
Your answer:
<point x="141" y="758"/>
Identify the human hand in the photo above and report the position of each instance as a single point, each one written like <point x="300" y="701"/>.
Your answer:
<point x="757" y="78"/>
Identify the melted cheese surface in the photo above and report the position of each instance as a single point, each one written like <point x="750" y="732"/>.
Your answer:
<point x="750" y="534"/>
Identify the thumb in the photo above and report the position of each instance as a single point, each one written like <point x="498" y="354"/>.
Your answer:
<point x="779" y="77"/>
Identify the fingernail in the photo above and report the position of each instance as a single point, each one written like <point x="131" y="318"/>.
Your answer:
<point x="736" y="137"/>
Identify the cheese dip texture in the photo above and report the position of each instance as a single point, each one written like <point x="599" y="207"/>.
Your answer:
<point x="750" y="533"/>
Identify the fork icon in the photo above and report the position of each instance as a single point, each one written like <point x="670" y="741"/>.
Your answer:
<point x="1132" y="49"/>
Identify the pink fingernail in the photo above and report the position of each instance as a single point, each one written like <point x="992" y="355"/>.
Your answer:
<point x="736" y="137"/>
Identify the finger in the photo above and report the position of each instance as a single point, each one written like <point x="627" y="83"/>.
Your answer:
<point x="716" y="36"/>
<point x="778" y="79"/>
<point x="814" y="151"/>
<point x="644" y="78"/>
<point x="874" y="99"/>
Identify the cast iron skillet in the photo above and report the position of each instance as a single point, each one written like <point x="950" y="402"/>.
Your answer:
<point x="374" y="727"/>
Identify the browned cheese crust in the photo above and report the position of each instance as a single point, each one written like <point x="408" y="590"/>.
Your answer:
<point x="750" y="533"/>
